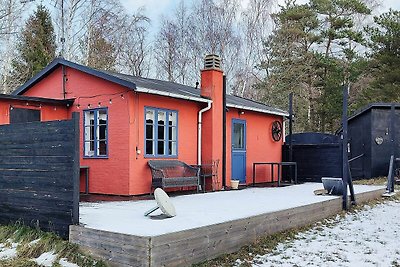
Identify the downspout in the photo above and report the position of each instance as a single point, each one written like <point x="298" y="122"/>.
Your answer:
<point x="200" y="119"/>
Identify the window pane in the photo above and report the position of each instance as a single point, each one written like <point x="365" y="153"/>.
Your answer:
<point x="89" y="133"/>
<point x="89" y="118"/>
<point x="172" y="118"/>
<point x="172" y="148"/>
<point x="149" y="131"/>
<point x="172" y="134"/>
<point x="149" y="116"/>
<point x="161" y="117"/>
<point x="102" y="132"/>
<point x="149" y="147"/>
<point x="160" y="148"/>
<point x="89" y="148"/>
<point x="238" y="135"/>
<point x="102" y="148"/>
<point x="161" y="132"/>
<point x="102" y="117"/>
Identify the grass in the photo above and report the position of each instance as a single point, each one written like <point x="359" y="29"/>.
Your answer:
<point x="372" y="181"/>
<point x="32" y="243"/>
<point x="267" y="244"/>
<point x="263" y="245"/>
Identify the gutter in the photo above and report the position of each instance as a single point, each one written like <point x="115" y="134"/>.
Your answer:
<point x="285" y="114"/>
<point x="162" y="93"/>
<point x="205" y="100"/>
<point x="200" y="119"/>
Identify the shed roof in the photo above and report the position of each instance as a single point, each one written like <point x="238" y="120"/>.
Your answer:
<point x="65" y="102"/>
<point x="370" y="106"/>
<point x="151" y="86"/>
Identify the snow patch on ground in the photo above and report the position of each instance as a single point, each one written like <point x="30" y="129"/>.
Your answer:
<point x="64" y="263"/>
<point x="370" y="237"/>
<point x="34" y="242"/>
<point x="8" y="252"/>
<point x="201" y="209"/>
<point x="46" y="259"/>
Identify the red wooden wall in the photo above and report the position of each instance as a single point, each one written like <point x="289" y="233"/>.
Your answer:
<point x="125" y="172"/>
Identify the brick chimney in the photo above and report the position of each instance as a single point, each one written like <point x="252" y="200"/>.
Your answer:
<point x="212" y="88"/>
<point x="211" y="77"/>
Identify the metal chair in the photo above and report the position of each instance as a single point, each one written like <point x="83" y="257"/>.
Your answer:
<point x="209" y="169"/>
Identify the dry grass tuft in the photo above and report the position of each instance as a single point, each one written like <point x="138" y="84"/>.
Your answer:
<point x="372" y="181"/>
<point x="33" y="243"/>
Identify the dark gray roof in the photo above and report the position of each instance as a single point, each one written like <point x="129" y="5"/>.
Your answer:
<point x="245" y="103"/>
<point x="66" y="102"/>
<point x="159" y="85"/>
<point x="172" y="88"/>
<point x="62" y="62"/>
<point x="152" y="86"/>
<point x="371" y="106"/>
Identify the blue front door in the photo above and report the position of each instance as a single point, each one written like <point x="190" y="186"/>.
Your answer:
<point x="239" y="150"/>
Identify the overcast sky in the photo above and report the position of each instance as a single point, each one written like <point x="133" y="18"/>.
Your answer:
<point x="156" y="8"/>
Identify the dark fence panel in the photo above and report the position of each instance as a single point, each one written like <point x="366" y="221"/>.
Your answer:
<point x="315" y="161"/>
<point x="18" y="115"/>
<point x="39" y="174"/>
<point x="312" y="138"/>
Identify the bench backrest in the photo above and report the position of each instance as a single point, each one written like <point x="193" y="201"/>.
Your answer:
<point x="172" y="168"/>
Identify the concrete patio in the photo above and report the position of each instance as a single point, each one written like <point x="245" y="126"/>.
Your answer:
<point x="206" y="225"/>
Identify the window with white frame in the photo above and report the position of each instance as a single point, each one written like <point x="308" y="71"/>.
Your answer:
<point x="161" y="132"/>
<point x="95" y="133"/>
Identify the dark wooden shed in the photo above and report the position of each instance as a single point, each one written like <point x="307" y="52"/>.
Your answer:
<point x="374" y="132"/>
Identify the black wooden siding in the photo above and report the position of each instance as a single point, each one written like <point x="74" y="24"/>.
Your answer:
<point x="317" y="155"/>
<point x="20" y="115"/>
<point x="380" y="154"/>
<point x="363" y="130"/>
<point x="315" y="161"/>
<point x="39" y="174"/>
<point x="359" y="134"/>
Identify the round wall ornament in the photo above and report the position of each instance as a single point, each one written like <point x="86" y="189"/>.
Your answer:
<point x="276" y="130"/>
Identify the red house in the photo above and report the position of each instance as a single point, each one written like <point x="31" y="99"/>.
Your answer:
<point x="127" y="120"/>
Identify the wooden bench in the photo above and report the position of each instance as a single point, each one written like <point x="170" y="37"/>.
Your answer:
<point x="173" y="173"/>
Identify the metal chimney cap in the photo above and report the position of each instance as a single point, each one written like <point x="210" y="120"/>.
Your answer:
<point x="212" y="61"/>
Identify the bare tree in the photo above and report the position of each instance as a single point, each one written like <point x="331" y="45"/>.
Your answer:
<point x="166" y="51"/>
<point x="133" y="56"/>
<point x="172" y="46"/>
<point x="11" y="13"/>
<point x="255" y="26"/>
<point x="207" y="26"/>
<point x="214" y="23"/>
<point x="77" y="22"/>
<point x="70" y="21"/>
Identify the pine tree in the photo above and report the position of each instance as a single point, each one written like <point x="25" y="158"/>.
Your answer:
<point x="311" y="53"/>
<point x="339" y="58"/>
<point x="385" y="59"/>
<point x="36" y="46"/>
<point x="292" y="64"/>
